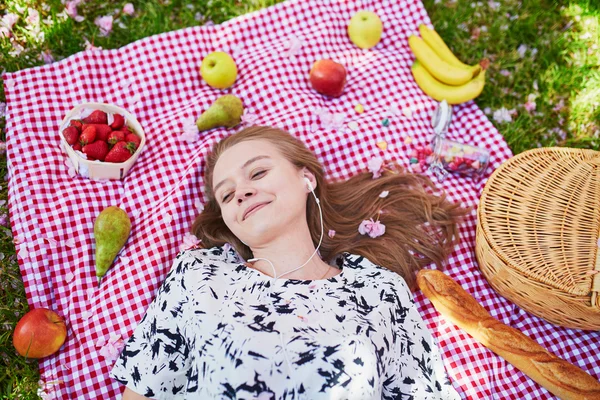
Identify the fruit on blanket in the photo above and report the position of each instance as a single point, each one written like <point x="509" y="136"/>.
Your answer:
<point x="434" y="40"/>
<point x="226" y="111"/>
<point x="218" y="69"/>
<point x="96" y="151"/>
<point x="120" y="152"/>
<point x="96" y="117"/>
<point x="439" y="68"/>
<point x="111" y="231"/>
<point x="118" y="121"/>
<point x="39" y="333"/>
<point x="328" y="77"/>
<point x="440" y="91"/>
<point x="364" y="29"/>
<point x="71" y="135"/>
<point x="88" y="135"/>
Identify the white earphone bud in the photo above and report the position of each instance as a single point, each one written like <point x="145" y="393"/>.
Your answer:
<point x="309" y="184"/>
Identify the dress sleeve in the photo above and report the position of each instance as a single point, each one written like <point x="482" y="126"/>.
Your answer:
<point x="154" y="361"/>
<point x="415" y="369"/>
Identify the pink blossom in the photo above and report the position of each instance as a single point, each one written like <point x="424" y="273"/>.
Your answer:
<point x="293" y="46"/>
<point x="559" y="106"/>
<point x="71" y="9"/>
<point x="90" y="46"/>
<point x="9" y="20"/>
<point x="384" y="194"/>
<point x="47" y="57"/>
<point x="105" y="24"/>
<point x="190" y="241"/>
<point x="374" y="165"/>
<point x="112" y="348"/>
<point x="372" y="228"/>
<point x="330" y="120"/>
<point x="530" y="105"/>
<point x="33" y="17"/>
<point x="249" y="118"/>
<point x="331" y="233"/>
<point x="128" y="9"/>
<point x="3" y="219"/>
<point x="4" y="32"/>
<point x="190" y="130"/>
<point x="70" y="168"/>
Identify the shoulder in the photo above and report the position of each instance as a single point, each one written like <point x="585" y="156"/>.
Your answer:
<point x="206" y="256"/>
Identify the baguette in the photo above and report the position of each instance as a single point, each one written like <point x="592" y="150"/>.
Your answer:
<point x="558" y="376"/>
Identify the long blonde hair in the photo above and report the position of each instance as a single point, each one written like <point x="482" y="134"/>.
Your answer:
<point x="421" y="227"/>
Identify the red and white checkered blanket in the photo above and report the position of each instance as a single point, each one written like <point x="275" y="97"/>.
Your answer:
<point x="157" y="79"/>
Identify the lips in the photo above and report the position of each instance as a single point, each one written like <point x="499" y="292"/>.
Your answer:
<point x="253" y="208"/>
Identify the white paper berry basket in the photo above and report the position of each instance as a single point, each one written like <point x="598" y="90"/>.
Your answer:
<point x="99" y="169"/>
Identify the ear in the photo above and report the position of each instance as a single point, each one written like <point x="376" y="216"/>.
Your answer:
<point x="311" y="177"/>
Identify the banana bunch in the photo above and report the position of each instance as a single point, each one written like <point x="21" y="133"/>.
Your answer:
<point x="439" y="73"/>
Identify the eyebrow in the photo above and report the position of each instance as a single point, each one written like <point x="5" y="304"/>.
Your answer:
<point x="250" y="161"/>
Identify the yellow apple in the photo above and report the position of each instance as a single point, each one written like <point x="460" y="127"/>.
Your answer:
<point x="365" y="29"/>
<point x="218" y="69"/>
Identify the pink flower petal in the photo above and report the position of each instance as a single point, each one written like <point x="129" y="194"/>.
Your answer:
<point x="101" y="341"/>
<point x="331" y="233"/>
<point x="128" y="9"/>
<point x="374" y="166"/>
<point x="69" y="277"/>
<point x="199" y="206"/>
<point x="384" y="194"/>
<point x="190" y="241"/>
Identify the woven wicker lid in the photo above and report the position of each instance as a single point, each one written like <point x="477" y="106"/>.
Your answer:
<point x="540" y="213"/>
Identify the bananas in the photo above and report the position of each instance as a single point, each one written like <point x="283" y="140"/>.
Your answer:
<point x="440" y="74"/>
<point x="440" y="91"/>
<point x="438" y="45"/>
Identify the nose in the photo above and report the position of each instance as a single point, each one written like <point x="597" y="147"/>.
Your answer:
<point x="243" y="194"/>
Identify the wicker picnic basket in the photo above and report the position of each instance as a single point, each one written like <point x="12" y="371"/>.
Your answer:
<point x="538" y="232"/>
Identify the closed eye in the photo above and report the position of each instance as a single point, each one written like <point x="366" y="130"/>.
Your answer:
<point x="254" y="176"/>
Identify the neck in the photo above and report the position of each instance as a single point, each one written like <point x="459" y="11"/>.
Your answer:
<point x="288" y="252"/>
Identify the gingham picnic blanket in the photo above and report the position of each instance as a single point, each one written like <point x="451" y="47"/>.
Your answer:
<point x="157" y="79"/>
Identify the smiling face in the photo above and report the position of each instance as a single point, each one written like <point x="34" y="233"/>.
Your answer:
<point x="261" y="194"/>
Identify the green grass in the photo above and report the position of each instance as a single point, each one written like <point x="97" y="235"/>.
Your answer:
<point x="565" y="68"/>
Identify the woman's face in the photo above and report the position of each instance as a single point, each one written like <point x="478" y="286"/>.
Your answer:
<point x="261" y="194"/>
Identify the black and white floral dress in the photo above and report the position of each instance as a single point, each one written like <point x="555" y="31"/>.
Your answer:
<point x="220" y="330"/>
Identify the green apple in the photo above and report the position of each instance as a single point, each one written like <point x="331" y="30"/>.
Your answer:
<point x="365" y="29"/>
<point x="218" y="70"/>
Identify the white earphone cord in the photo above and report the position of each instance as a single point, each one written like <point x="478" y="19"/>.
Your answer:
<point x="275" y="277"/>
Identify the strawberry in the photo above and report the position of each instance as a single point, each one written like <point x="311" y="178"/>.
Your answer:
<point x="88" y="135"/>
<point x="118" y="122"/>
<point x="96" y="150"/>
<point x="102" y="131"/>
<point x="133" y="138"/>
<point x="71" y="134"/>
<point x="96" y="117"/>
<point x="120" y="152"/>
<point x="116" y="136"/>
<point x="77" y="124"/>
<point x="77" y="146"/>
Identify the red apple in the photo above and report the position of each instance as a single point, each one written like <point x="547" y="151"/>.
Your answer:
<point x="39" y="333"/>
<point x="328" y="77"/>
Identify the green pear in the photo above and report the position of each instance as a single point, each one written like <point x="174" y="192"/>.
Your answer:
<point x="111" y="230"/>
<point x="226" y="111"/>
